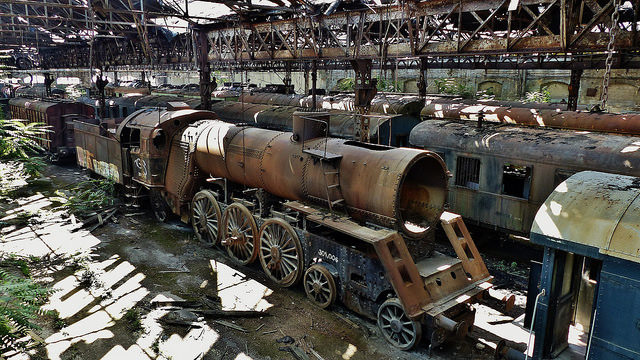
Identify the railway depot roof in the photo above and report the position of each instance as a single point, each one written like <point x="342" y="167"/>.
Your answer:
<point x="595" y="209"/>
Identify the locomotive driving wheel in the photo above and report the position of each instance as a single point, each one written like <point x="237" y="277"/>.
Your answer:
<point x="320" y="286"/>
<point x="239" y="234"/>
<point x="205" y="216"/>
<point x="280" y="252"/>
<point x="396" y="326"/>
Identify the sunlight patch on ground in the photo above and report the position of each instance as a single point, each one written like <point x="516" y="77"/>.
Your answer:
<point x="237" y="291"/>
<point x="101" y="316"/>
<point x="193" y="345"/>
<point x="502" y="326"/>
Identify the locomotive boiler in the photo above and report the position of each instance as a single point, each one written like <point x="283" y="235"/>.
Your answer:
<point x="348" y="219"/>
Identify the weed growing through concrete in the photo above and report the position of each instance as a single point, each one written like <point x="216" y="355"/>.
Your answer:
<point x="134" y="320"/>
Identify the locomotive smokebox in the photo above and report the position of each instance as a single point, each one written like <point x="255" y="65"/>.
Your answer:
<point x="310" y="125"/>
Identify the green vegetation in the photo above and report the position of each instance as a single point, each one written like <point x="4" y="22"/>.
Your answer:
<point x="91" y="195"/>
<point x="543" y="96"/>
<point x="20" y="302"/>
<point x="19" y="141"/>
<point x="388" y="85"/>
<point x="134" y="320"/>
<point x="348" y="84"/>
<point x="453" y="87"/>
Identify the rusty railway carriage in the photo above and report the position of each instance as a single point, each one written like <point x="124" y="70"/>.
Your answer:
<point x="390" y="130"/>
<point x="502" y="174"/>
<point x="59" y="115"/>
<point x="350" y="220"/>
<point x="390" y="104"/>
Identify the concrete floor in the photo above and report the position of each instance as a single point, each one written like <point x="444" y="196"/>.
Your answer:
<point x="138" y="263"/>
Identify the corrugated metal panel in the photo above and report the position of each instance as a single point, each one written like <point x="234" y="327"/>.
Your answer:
<point x="595" y="209"/>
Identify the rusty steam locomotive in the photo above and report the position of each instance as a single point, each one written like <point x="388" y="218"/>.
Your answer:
<point x="349" y="219"/>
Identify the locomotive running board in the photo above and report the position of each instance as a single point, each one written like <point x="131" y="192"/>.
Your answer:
<point x="392" y="252"/>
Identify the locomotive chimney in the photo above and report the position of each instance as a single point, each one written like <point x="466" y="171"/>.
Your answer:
<point x="310" y="125"/>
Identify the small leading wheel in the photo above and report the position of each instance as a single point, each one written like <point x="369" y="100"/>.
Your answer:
<point x="396" y="326"/>
<point x="280" y="252"/>
<point x="161" y="209"/>
<point x="320" y="286"/>
<point x="239" y="231"/>
<point x="205" y="216"/>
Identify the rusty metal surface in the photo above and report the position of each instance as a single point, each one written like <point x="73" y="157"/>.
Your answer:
<point x="388" y="186"/>
<point x="551" y="154"/>
<point x="341" y="124"/>
<point x="381" y="104"/>
<point x="595" y="209"/>
<point x="565" y="148"/>
<point x="156" y="129"/>
<point x="427" y="28"/>
<point x="98" y="152"/>
<point x="538" y="115"/>
<point x="58" y="114"/>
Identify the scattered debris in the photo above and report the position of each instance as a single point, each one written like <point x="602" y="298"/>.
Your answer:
<point x="286" y="340"/>
<point x="480" y="346"/>
<point x="295" y="351"/>
<point x="230" y="313"/>
<point x="230" y="325"/>
<point x="181" y="317"/>
<point x="269" y="332"/>
<point x="315" y="353"/>
<point x="168" y="299"/>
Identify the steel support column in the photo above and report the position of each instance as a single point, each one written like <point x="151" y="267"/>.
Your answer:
<point x="314" y="79"/>
<point x="48" y="81"/>
<point x="365" y="90"/>
<point x="422" y="80"/>
<point x="204" y="69"/>
<point x="574" y="89"/>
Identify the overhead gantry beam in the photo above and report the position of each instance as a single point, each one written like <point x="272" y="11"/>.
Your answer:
<point x="441" y="28"/>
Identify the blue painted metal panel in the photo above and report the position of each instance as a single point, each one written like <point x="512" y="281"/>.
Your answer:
<point x="580" y="249"/>
<point x="617" y="325"/>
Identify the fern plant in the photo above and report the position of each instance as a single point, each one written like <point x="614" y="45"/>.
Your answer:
<point x="18" y="139"/>
<point x="20" y="302"/>
<point x="91" y="195"/>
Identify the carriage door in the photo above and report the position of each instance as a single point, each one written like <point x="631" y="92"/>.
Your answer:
<point x="574" y="296"/>
<point x="562" y="301"/>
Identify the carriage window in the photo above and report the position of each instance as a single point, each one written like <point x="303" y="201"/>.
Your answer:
<point x="560" y="176"/>
<point x="516" y="180"/>
<point x="468" y="172"/>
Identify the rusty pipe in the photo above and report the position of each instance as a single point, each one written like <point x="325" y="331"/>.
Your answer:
<point x="553" y="118"/>
<point x="394" y="187"/>
<point x="504" y="352"/>
<point x="459" y="328"/>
